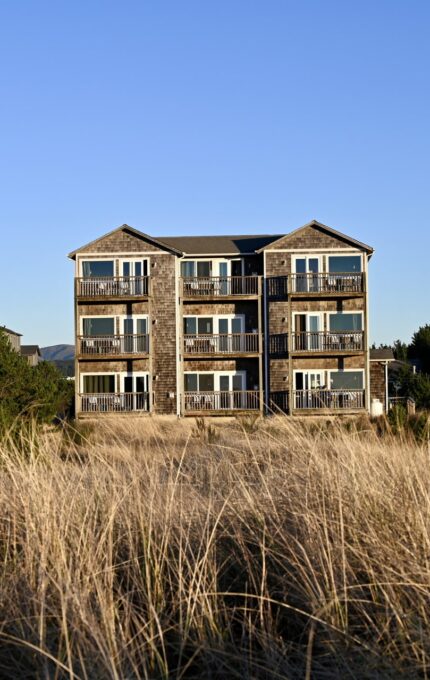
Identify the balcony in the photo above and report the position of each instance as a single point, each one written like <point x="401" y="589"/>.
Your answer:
<point x="116" y="287"/>
<point x="216" y="287"/>
<point x="220" y="403"/>
<point x="112" y="346"/>
<point x="328" y="342"/>
<point x="124" y="402"/>
<point x="326" y="284"/>
<point x="329" y="400"/>
<point x="235" y="344"/>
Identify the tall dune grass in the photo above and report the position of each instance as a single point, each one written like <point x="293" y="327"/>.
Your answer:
<point x="161" y="549"/>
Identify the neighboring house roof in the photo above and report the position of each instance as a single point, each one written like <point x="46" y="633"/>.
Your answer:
<point x="327" y="230"/>
<point x="131" y="230"/>
<point x="381" y="355"/>
<point x="29" y="350"/>
<point x="219" y="245"/>
<point x="222" y="245"/>
<point x="8" y="330"/>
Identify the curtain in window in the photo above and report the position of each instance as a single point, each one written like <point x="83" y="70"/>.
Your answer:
<point x="99" y="384"/>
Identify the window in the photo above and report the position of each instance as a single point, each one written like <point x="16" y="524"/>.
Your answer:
<point x="200" y="268"/>
<point x="199" y="382"/>
<point x="188" y="268"/>
<point x="346" y="380"/>
<point x="344" y="264"/>
<point x="98" y="326"/>
<point x="96" y="268"/>
<point x="99" y="384"/>
<point x="198" y="325"/>
<point x="341" y="322"/>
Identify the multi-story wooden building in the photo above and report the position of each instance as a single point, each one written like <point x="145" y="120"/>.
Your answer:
<point x="222" y="324"/>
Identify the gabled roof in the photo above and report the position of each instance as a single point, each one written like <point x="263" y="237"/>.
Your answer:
<point x="8" y="330"/>
<point x="219" y="245"/>
<point x="131" y="230"/>
<point x="29" y="350"/>
<point x="328" y="230"/>
<point x="381" y="354"/>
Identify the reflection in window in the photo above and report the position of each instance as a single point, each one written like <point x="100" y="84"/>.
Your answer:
<point x="97" y="326"/>
<point x="344" y="264"/>
<point x="346" y="322"/>
<point x="96" y="268"/>
<point x="346" y="380"/>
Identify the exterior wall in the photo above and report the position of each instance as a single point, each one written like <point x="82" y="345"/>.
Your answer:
<point x="15" y="341"/>
<point x="377" y="382"/>
<point x="160" y="309"/>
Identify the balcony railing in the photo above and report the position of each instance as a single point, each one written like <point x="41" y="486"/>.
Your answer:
<point x="113" y="345"/>
<point x="114" y="403"/>
<point x="219" y="286"/>
<point x="328" y="341"/>
<point x="332" y="400"/>
<point x="326" y="283"/>
<point x="236" y="343"/>
<point x="112" y="286"/>
<point x="221" y="401"/>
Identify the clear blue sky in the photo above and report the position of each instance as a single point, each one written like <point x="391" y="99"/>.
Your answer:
<point x="189" y="117"/>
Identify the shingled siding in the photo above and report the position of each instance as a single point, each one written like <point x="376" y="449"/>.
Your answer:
<point x="377" y="382"/>
<point x="120" y="242"/>
<point x="163" y="304"/>
<point x="308" y="238"/>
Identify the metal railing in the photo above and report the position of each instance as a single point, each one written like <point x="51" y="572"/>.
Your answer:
<point x="234" y="343"/>
<point x="113" y="344"/>
<point x="333" y="400"/>
<point x="278" y="343"/>
<point x="114" y="403"/>
<point x="219" y="286"/>
<point x="112" y="286"/>
<point x="279" y="401"/>
<point x="221" y="401"/>
<point x="326" y="283"/>
<point x="328" y="341"/>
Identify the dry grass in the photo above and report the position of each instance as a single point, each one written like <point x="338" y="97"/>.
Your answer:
<point x="165" y="549"/>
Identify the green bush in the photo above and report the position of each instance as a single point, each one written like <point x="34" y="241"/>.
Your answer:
<point x="30" y="393"/>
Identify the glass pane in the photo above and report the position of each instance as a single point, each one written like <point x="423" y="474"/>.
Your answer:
<point x="99" y="384"/>
<point x="128" y="384"/>
<point x="92" y="268"/>
<point x="141" y="326"/>
<point x="205" y="326"/>
<point x="128" y="326"/>
<point x="223" y="326"/>
<point x="190" y="382"/>
<point x="97" y="326"/>
<point x="299" y="381"/>
<point x="344" y="264"/>
<point x="301" y="266"/>
<point x="346" y="380"/>
<point x="140" y="383"/>
<point x="138" y="269"/>
<point x="203" y="268"/>
<point x="236" y="325"/>
<point x="313" y="265"/>
<point x="188" y="268"/>
<point x="236" y="268"/>
<point x="223" y="269"/>
<point x="237" y="383"/>
<point x="224" y="383"/>
<point x="206" y="382"/>
<point x="190" y="325"/>
<point x="314" y="324"/>
<point x="342" y="322"/>
<point x="126" y="269"/>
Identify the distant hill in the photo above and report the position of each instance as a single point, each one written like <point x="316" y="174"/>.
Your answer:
<point x="58" y="353"/>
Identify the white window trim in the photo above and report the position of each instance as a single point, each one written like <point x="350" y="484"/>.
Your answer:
<point x="322" y="372"/>
<point x="133" y="259"/>
<point x="317" y="313"/>
<point x="80" y="262"/>
<point x="347" y="370"/>
<point x="359" y="311"/>
<point x="215" y="262"/>
<point x="216" y="318"/>
<point x="132" y="374"/>
<point x="306" y="255"/>
<point x="217" y="375"/>
<point x="96" y="316"/>
<point x="92" y="373"/>
<point x="122" y="318"/>
<point x="352" y="254"/>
